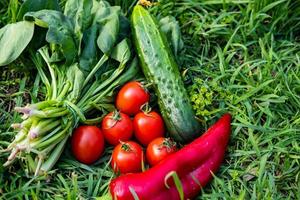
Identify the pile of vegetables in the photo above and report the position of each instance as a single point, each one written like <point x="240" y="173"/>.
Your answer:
<point x="85" y="56"/>
<point x="182" y="174"/>
<point x="82" y="55"/>
<point x="172" y="173"/>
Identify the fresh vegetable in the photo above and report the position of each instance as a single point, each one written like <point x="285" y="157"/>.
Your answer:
<point x="21" y="40"/>
<point x="117" y="127"/>
<point x="148" y="126"/>
<point x="160" y="69"/>
<point x="193" y="165"/>
<point x="131" y="97"/>
<point x="87" y="144"/>
<point x="87" y="55"/>
<point x="159" y="149"/>
<point x="127" y="157"/>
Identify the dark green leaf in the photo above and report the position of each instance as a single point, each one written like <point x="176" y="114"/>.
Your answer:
<point x="38" y="39"/>
<point x="102" y="10"/>
<point x="171" y="28"/>
<point x="36" y="5"/>
<point x="80" y="12"/>
<point x="13" y="40"/>
<point x="108" y="18"/>
<point x="76" y="77"/>
<point x="60" y="30"/>
<point x="89" y="54"/>
<point x="124" y="28"/>
<point x="109" y="34"/>
<point x="122" y="52"/>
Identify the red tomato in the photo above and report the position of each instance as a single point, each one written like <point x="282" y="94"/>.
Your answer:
<point x="131" y="97"/>
<point x="116" y="127"/>
<point x="159" y="149"/>
<point x="87" y="144"/>
<point x="148" y="126"/>
<point x="127" y="157"/>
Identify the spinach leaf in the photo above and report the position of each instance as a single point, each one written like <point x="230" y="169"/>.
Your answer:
<point x="109" y="34"/>
<point x="108" y="18"/>
<point x="108" y="28"/>
<point x="101" y="10"/>
<point x="76" y="77"/>
<point x="38" y="39"/>
<point x="125" y="29"/>
<point x="36" y="5"/>
<point x="60" y="31"/>
<point x="171" y="28"/>
<point x="13" y="40"/>
<point x="89" y="54"/>
<point x="32" y="6"/>
<point x="80" y="12"/>
<point x="122" y="52"/>
<point x="104" y="13"/>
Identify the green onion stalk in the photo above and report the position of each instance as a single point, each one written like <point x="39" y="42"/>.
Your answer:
<point x="87" y="57"/>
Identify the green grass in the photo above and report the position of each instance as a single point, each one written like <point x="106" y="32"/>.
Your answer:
<point x="240" y="56"/>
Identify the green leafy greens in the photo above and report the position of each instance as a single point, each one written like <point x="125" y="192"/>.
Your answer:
<point x="87" y="55"/>
<point x="13" y="41"/>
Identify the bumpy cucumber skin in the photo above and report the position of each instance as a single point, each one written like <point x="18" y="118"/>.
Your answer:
<point x="161" y="70"/>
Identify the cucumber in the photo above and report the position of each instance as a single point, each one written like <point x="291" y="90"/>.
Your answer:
<point x="161" y="70"/>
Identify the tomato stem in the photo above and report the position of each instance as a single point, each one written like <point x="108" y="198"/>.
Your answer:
<point x="146" y="109"/>
<point x="145" y="85"/>
<point x="125" y="146"/>
<point x="116" y="115"/>
<point x="168" y="143"/>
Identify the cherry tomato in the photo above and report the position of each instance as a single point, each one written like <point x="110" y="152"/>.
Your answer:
<point x="159" y="149"/>
<point x="131" y="97"/>
<point x="87" y="144"/>
<point x="116" y="127"/>
<point x="148" y="126"/>
<point x="127" y="157"/>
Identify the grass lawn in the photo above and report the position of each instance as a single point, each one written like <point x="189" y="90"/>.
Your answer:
<point x="240" y="56"/>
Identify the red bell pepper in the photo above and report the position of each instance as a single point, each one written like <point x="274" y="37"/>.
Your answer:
<point x="194" y="165"/>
